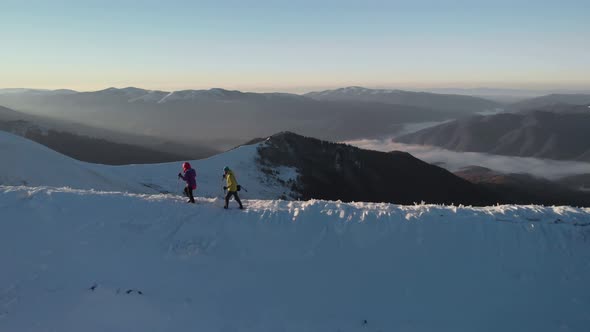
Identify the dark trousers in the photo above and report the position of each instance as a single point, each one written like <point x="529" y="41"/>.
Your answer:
<point x="188" y="191"/>
<point x="235" y="195"/>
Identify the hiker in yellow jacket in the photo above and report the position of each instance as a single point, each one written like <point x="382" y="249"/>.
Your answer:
<point x="232" y="187"/>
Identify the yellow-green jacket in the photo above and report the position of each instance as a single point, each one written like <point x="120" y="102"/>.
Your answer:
<point x="232" y="184"/>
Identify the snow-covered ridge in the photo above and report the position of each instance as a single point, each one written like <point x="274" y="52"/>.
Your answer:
<point x="361" y="212"/>
<point x="214" y="94"/>
<point x="78" y="260"/>
<point x="354" y="91"/>
<point x="36" y="91"/>
<point x="25" y="162"/>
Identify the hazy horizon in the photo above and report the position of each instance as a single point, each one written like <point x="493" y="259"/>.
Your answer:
<point x="295" y="47"/>
<point x="450" y="89"/>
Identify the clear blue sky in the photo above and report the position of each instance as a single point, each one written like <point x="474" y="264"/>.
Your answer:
<point x="294" y="45"/>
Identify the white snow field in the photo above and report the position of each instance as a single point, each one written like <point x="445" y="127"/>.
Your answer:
<point x="77" y="260"/>
<point x="115" y="256"/>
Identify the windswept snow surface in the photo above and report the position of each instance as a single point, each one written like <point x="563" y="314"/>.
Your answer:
<point x="25" y="162"/>
<point x="76" y="260"/>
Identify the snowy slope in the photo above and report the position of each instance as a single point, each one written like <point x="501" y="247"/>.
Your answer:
<point x="75" y="260"/>
<point x="210" y="183"/>
<point x="27" y="163"/>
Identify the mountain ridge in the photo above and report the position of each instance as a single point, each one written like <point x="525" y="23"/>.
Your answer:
<point x="540" y="134"/>
<point x="551" y="100"/>
<point x="462" y="103"/>
<point x="217" y="115"/>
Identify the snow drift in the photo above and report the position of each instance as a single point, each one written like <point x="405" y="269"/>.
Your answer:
<point x="77" y="260"/>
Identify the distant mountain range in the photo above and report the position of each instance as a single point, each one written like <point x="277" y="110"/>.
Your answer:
<point x="221" y="118"/>
<point x="527" y="189"/>
<point x="504" y="95"/>
<point x="552" y="102"/>
<point x="86" y="148"/>
<point x="564" y="135"/>
<point x="448" y="102"/>
<point x="218" y="119"/>
<point x="7" y="114"/>
<point x="17" y="91"/>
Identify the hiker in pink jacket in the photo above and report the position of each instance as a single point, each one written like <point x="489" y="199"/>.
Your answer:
<point x="190" y="177"/>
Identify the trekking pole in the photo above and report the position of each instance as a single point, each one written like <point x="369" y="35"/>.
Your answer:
<point x="223" y="186"/>
<point x="181" y="186"/>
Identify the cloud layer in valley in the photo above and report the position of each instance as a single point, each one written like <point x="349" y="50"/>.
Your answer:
<point x="453" y="161"/>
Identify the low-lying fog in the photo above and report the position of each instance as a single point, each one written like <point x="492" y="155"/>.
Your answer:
<point x="453" y="161"/>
